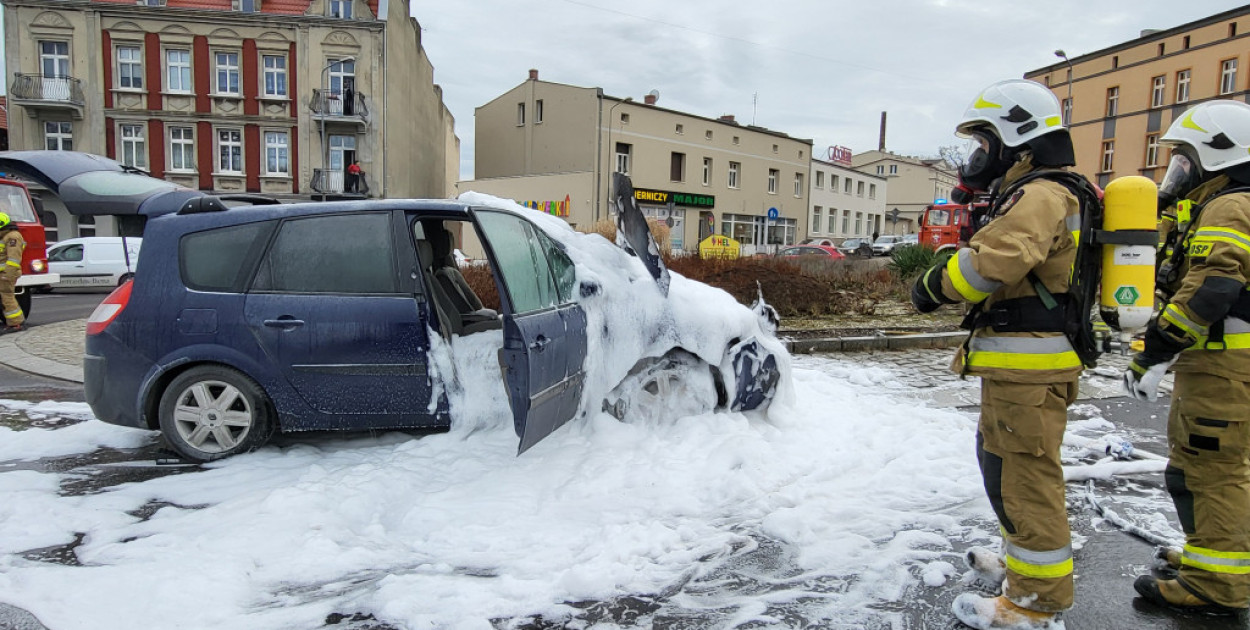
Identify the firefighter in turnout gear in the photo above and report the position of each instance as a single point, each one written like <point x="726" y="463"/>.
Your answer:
<point x="14" y="245"/>
<point x="1015" y="272"/>
<point x="1203" y="334"/>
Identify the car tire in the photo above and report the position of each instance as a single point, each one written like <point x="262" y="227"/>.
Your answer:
<point x="211" y="411"/>
<point x="24" y="301"/>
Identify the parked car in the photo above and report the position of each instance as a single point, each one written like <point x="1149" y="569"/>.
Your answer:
<point x="861" y="247"/>
<point x="93" y="261"/>
<point x="819" y="241"/>
<point x="910" y="239"/>
<point x="818" y="252"/>
<point x="886" y="244"/>
<point x="350" y="315"/>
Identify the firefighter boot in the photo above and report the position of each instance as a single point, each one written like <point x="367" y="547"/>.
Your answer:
<point x="1167" y="562"/>
<point x="988" y="568"/>
<point x="998" y="613"/>
<point x="1178" y="595"/>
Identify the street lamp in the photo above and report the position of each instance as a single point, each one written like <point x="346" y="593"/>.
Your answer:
<point x="1062" y="55"/>
<point x="325" y="106"/>
<point x="611" y="148"/>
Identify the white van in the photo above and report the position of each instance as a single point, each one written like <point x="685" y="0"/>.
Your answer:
<point x="93" y="261"/>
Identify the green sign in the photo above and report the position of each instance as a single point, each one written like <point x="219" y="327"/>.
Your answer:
<point x="665" y="197"/>
<point x="1126" y="295"/>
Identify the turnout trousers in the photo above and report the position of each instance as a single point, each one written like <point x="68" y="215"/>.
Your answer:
<point x="12" y="311"/>
<point x="1018" y="442"/>
<point x="1208" y="476"/>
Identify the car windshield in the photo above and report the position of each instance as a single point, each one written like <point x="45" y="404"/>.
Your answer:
<point x="938" y="217"/>
<point x="885" y="240"/>
<point x="15" y="203"/>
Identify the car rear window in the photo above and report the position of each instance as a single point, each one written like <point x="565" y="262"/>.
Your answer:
<point x="216" y="260"/>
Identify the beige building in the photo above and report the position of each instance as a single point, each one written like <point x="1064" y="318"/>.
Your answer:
<point x="555" y="147"/>
<point x="276" y="97"/>
<point x="914" y="184"/>
<point x="1120" y="99"/>
<point x="846" y="203"/>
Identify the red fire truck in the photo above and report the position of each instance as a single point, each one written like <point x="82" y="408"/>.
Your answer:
<point x="15" y="201"/>
<point x="941" y="224"/>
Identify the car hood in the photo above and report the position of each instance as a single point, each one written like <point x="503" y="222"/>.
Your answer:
<point x="91" y="185"/>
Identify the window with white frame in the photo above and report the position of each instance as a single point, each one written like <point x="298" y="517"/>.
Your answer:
<point x="816" y="212"/>
<point x="1182" y="86"/>
<point x="846" y="189"/>
<point x="229" y="151"/>
<point x="227" y="73"/>
<point x="246" y="6"/>
<point x="1158" y="89"/>
<point x="846" y="222"/>
<point x="340" y="9"/>
<point x="734" y="167"/>
<point x="538" y="111"/>
<point x="275" y="75"/>
<point x="772" y="181"/>
<point x="133" y="147"/>
<point x="520" y="114"/>
<point x="1113" y="101"/>
<point x="54" y="59"/>
<point x="859" y="189"/>
<point x="277" y="153"/>
<point x="820" y="179"/>
<point x="182" y="149"/>
<point x="129" y="67"/>
<point x="707" y="171"/>
<point x="833" y="183"/>
<point x="872" y="191"/>
<point x="859" y="223"/>
<point x="623" y="151"/>
<point x="1108" y="156"/>
<point x="798" y="185"/>
<point x="894" y="169"/>
<point x="740" y="227"/>
<point x="1228" y="76"/>
<point x="881" y="169"/>
<point x="86" y="225"/>
<point x="58" y="136"/>
<point x="178" y="70"/>
<point x="1152" y="150"/>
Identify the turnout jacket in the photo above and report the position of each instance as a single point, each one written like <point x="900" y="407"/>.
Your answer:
<point x="14" y="245"/>
<point x="1034" y="230"/>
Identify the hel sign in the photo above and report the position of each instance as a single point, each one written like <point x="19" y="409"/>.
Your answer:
<point x="717" y="246"/>
<point x="840" y="155"/>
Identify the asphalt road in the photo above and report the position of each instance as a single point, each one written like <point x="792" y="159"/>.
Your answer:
<point x="59" y="306"/>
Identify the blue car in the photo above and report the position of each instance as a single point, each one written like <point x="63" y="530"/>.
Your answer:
<point x="244" y="321"/>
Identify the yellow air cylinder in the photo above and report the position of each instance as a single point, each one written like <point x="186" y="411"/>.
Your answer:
<point x="1130" y="206"/>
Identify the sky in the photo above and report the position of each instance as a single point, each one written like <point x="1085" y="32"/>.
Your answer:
<point x="818" y="69"/>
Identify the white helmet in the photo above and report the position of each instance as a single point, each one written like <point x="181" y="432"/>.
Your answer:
<point x="1018" y="110"/>
<point x="1217" y="131"/>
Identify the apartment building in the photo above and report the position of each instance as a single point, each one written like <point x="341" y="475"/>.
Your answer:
<point x="1121" y="99"/>
<point x="845" y="203"/>
<point x="276" y="97"/>
<point x="914" y="184"/>
<point x="555" y="147"/>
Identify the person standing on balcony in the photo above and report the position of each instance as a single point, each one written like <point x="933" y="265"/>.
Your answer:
<point x="354" y="173"/>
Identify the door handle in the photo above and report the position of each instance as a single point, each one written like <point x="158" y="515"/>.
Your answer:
<point x="284" y="322"/>
<point x="540" y="343"/>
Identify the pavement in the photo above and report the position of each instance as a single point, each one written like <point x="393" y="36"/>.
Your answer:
<point x="51" y="350"/>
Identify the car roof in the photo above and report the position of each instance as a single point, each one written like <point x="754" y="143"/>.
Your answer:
<point x="190" y="221"/>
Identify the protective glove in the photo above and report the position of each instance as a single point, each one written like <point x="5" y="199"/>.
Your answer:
<point x="924" y="296"/>
<point x="1143" y="375"/>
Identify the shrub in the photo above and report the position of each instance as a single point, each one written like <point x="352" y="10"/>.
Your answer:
<point x="908" y="262"/>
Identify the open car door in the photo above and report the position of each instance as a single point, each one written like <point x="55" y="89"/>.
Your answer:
<point x="544" y="330"/>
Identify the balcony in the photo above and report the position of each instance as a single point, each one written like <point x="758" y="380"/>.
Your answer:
<point x="347" y="107"/>
<point x="39" y="91"/>
<point x="330" y="185"/>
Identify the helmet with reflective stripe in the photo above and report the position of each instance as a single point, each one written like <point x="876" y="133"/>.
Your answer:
<point x="4" y="220"/>
<point x="1218" y="132"/>
<point x="1018" y="110"/>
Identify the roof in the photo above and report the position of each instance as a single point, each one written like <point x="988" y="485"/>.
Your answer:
<point x="274" y="7"/>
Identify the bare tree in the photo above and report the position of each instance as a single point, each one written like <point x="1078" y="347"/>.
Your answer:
<point x="955" y="155"/>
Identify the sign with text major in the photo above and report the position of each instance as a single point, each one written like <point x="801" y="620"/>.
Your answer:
<point x="664" y="197"/>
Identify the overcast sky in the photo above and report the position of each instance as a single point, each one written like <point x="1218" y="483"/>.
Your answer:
<point x="822" y="69"/>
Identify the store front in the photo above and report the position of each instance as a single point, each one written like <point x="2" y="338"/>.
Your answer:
<point x="672" y="209"/>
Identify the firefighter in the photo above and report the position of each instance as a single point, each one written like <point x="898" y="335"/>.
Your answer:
<point x="1014" y="270"/>
<point x="1203" y="333"/>
<point x="14" y="245"/>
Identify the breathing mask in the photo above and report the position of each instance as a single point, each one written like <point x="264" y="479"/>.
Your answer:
<point x="985" y="164"/>
<point x="1183" y="175"/>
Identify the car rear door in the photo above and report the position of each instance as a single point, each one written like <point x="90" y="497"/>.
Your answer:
<point x="544" y="334"/>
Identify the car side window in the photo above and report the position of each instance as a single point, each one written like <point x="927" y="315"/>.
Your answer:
<point x="69" y="253"/>
<point x="341" y="253"/>
<point x="522" y="263"/>
<point x="562" y="268"/>
<point x="216" y="260"/>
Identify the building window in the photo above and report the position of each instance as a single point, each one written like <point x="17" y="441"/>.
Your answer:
<point x="342" y="77"/>
<point x="1161" y="49"/>
<point x="624" y="118"/>
<point x="341" y="9"/>
<point x="846" y="222"/>
<point x="1185" y="43"/>
<point x="859" y="223"/>
<point x="134" y="149"/>
<point x="538" y="111"/>
<point x="1108" y="156"/>
<point x="54" y="60"/>
<point x="51" y="232"/>
<point x="740" y="227"/>
<point x="894" y="169"/>
<point x="775" y="148"/>
<point x="229" y="151"/>
<point x="681" y="129"/>
<point x="622" y="157"/>
<point x="1113" y="101"/>
<point x="734" y="167"/>
<point x="859" y="189"/>
<point x="1228" y="76"/>
<point x="707" y="135"/>
<point x="1067" y="111"/>
<point x="58" y="136"/>
<point x="772" y="181"/>
<point x="798" y="185"/>
<point x="820" y="179"/>
<point x="833" y="183"/>
<point x="86" y="225"/>
<point x="872" y="191"/>
<point x="247" y="6"/>
<point x="1115" y="62"/>
<point x="881" y="169"/>
<point x="677" y="167"/>
<point x="737" y="140"/>
<point x="816" y="220"/>
<point x="707" y="171"/>
<point x="178" y="71"/>
<point x="846" y="189"/>
<point x="1157" y="91"/>
<point x="1232" y="29"/>
<point x="276" y="153"/>
<point x="129" y="67"/>
<point x="520" y="114"/>
<point x="182" y="149"/>
<point x="1182" y="86"/>
<point x="275" y="75"/>
<point x="228" y="73"/>
<point x="1152" y="150"/>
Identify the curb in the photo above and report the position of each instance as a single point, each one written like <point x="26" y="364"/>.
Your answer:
<point x="879" y="342"/>
<point x="13" y="356"/>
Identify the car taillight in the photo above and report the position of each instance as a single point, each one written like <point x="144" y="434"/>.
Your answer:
<point x="38" y="266"/>
<point x="109" y="309"/>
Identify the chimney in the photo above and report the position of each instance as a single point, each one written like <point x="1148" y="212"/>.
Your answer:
<point x="533" y="74"/>
<point x="881" y="140"/>
<point x="649" y="99"/>
<point x="728" y="118"/>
